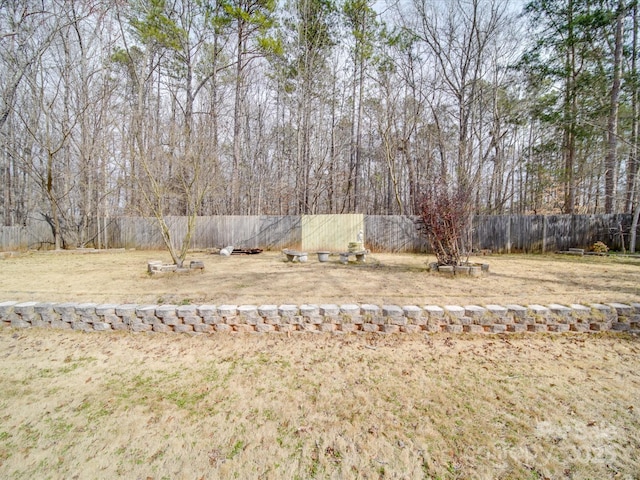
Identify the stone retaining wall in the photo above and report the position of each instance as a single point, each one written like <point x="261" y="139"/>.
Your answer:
<point x="348" y="318"/>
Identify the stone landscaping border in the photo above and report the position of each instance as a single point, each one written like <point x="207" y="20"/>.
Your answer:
<point x="347" y="318"/>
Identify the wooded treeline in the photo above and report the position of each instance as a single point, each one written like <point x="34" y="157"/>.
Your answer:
<point x="259" y="107"/>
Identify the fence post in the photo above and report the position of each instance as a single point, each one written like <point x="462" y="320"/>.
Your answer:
<point x="509" y="235"/>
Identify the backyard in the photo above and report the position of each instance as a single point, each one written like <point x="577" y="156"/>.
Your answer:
<point x="155" y="406"/>
<point x="401" y="279"/>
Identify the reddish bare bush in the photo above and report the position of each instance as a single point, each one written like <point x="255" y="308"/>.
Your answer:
<point x="445" y="219"/>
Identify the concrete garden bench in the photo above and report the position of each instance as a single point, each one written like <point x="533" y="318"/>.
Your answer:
<point x="294" y="255"/>
<point x="360" y="255"/>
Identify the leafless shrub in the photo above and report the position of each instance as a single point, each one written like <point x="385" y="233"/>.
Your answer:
<point x="444" y="218"/>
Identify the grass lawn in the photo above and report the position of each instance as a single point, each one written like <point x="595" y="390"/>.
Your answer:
<point x="166" y="406"/>
<point x="400" y="279"/>
<point x="114" y="405"/>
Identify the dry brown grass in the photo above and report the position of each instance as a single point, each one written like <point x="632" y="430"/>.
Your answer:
<point x="80" y="405"/>
<point x="400" y="279"/>
<point x="158" y="406"/>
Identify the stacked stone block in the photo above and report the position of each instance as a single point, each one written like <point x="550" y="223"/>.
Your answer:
<point x="325" y="318"/>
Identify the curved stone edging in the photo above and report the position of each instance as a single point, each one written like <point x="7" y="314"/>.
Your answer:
<point x="347" y="318"/>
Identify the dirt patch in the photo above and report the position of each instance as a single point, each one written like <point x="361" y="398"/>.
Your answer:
<point x="400" y="279"/>
<point x="170" y="406"/>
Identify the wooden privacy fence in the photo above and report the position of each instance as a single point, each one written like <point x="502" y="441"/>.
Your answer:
<point x="34" y="235"/>
<point x="250" y="231"/>
<point x="550" y="233"/>
<point x="382" y="233"/>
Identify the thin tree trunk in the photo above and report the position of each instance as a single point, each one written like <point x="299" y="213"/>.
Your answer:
<point x="612" y="125"/>
<point x="237" y="152"/>
<point x="570" y="110"/>
<point x="632" y="164"/>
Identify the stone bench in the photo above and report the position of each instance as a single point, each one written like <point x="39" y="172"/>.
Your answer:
<point x="294" y="255"/>
<point x="360" y="256"/>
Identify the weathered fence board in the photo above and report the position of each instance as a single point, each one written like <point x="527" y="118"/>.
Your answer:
<point x="491" y="233"/>
<point x="36" y="234"/>
<point x="234" y="230"/>
<point x="135" y="232"/>
<point x="382" y="233"/>
<point x="393" y="233"/>
<point x="278" y="232"/>
<point x="550" y="233"/>
<point x="11" y="238"/>
<point x="210" y="232"/>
